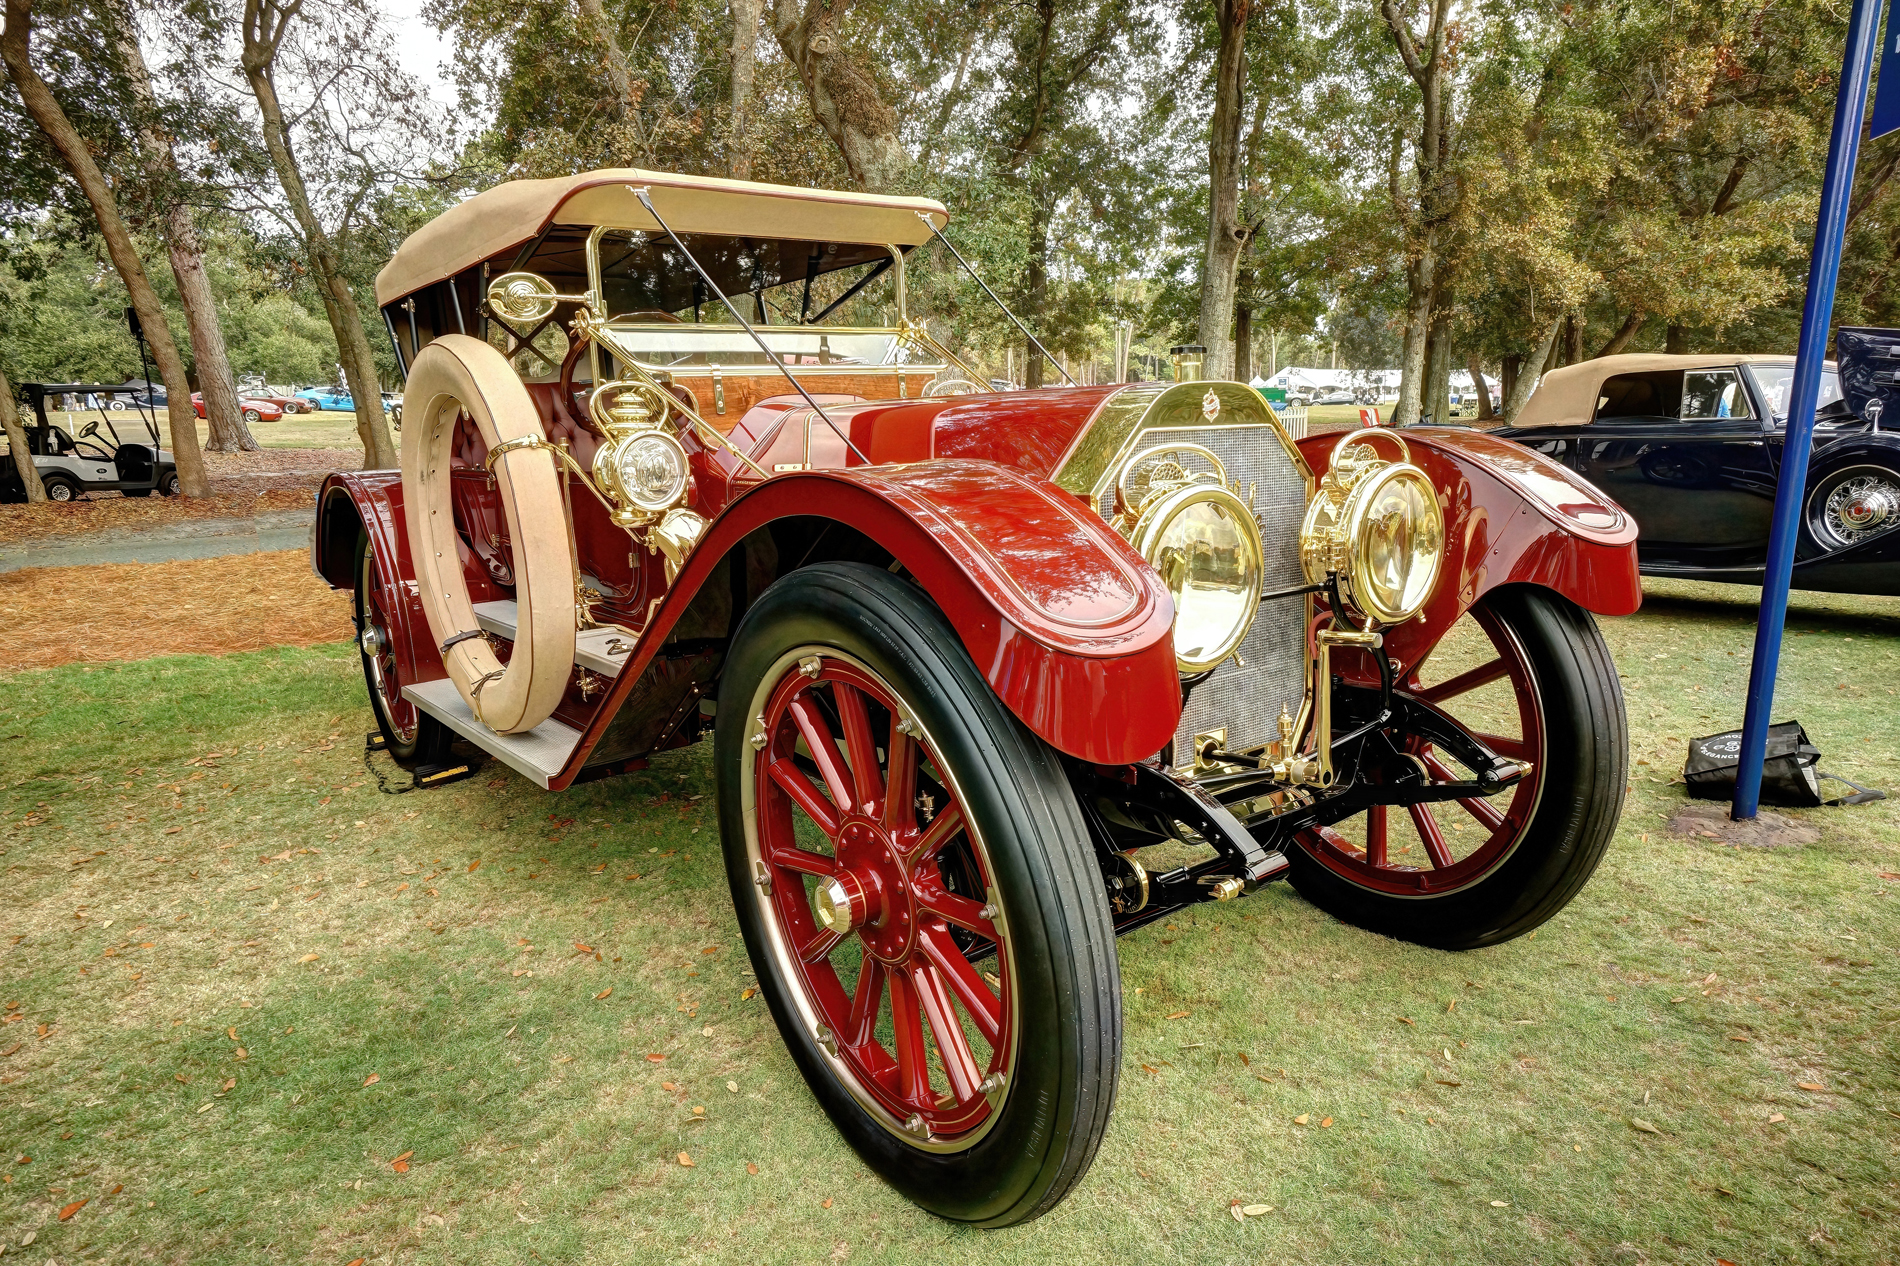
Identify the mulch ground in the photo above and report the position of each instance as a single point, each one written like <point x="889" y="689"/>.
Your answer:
<point x="238" y="602"/>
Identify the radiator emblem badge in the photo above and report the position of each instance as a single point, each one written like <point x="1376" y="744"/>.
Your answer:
<point x="1210" y="405"/>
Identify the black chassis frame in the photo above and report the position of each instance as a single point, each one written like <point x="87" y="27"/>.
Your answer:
<point x="1134" y="807"/>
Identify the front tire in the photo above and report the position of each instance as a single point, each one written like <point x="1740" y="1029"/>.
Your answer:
<point x="168" y="484"/>
<point x="1528" y="672"/>
<point x="907" y="859"/>
<point x="60" y="488"/>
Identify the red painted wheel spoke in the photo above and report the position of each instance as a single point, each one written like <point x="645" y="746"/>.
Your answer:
<point x="962" y="911"/>
<point x="900" y="810"/>
<point x="942" y="829"/>
<point x="1334" y="839"/>
<point x="1465" y="682"/>
<point x="1375" y="835"/>
<point x="959" y="1064"/>
<point x="824" y="751"/>
<point x="974" y="992"/>
<point x="819" y="947"/>
<point x="1427" y="827"/>
<point x="1516" y="749"/>
<point x="1479" y="809"/>
<point x="860" y="748"/>
<point x="861" y="1027"/>
<point x="913" y="1068"/>
<point x="792" y="780"/>
<point x="801" y="860"/>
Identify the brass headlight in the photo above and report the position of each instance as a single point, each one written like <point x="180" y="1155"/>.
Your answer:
<point x="641" y="465"/>
<point x="1377" y="524"/>
<point x="1206" y="545"/>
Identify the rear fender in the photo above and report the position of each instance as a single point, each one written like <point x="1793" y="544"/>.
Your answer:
<point x="1069" y="625"/>
<point x="1512" y="516"/>
<point x="359" y="502"/>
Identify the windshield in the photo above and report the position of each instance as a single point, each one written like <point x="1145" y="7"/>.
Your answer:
<point x="1775" y="381"/>
<point x="677" y="346"/>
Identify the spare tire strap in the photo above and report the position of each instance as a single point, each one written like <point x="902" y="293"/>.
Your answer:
<point x="459" y="637"/>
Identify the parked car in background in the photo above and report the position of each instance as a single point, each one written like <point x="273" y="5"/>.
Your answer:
<point x="253" y="408"/>
<point x="1337" y="396"/>
<point x="329" y="398"/>
<point x="282" y="399"/>
<point x="1691" y="447"/>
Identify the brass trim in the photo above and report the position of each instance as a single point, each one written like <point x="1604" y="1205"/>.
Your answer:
<point x="1089" y="467"/>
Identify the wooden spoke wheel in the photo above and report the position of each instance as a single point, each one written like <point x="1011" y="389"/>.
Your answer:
<point x="1525" y="672"/>
<point x="913" y="880"/>
<point x="407" y="732"/>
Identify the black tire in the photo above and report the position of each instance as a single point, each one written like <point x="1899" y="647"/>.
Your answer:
<point x="1585" y="768"/>
<point x="168" y="484"/>
<point x="413" y="737"/>
<point x="60" y="488"/>
<point x="1042" y="1136"/>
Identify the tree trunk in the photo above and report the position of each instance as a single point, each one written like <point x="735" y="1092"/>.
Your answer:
<point x="1438" y="367"/>
<point x="215" y="380"/>
<point x="1243" y="343"/>
<point x="1035" y="286"/>
<point x="1485" y="412"/>
<point x="1624" y="333"/>
<point x="1522" y="384"/>
<point x="1676" y="339"/>
<point x="16" y="443"/>
<point x="745" y="60"/>
<point x="1420" y="273"/>
<point x="596" y="23"/>
<point x="15" y="44"/>
<point x="1573" y="339"/>
<point x="1226" y="236"/>
<point x="264" y="23"/>
<point x="843" y="97"/>
<point x="1507" y="377"/>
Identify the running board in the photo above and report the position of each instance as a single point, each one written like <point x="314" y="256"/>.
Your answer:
<point x="597" y="650"/>
<point x="539" y="754"/>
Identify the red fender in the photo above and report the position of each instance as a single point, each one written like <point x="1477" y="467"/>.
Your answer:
<point x="373" y="500"/>
<point x="1069" y="625"/>
<point x="1512" y="516"/>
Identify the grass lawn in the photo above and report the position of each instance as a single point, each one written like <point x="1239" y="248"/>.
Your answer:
<point x="323" y="429"/>
<point x="268" y="1013"/>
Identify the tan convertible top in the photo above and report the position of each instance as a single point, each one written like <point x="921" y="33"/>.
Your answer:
<point x="514" y="213"/>
<point x="1568" y="396"/>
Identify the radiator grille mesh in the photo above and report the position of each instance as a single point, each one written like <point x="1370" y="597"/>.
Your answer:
<point x="1248" y="700"/>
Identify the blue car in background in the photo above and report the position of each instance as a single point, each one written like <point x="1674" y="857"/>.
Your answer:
<point x="328" y="398"/>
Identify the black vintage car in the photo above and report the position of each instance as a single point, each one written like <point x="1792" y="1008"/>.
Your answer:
<point x="1691" y="446"/>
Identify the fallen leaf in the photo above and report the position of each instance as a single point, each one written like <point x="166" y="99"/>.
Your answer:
<point x="206" y="1107"/>
<point x="733" y="1086"/>
<point x="1151" y="1068"/>
<point x="1326" y="1123"/>
<point x="1775" y="1118"/>
<point x="400" y="887"/>
<point x="654" y="1059"/>
<point x="746" y="993"/>
<point x="372" y="1079"/>
<point x="242" y="1053"/>
<point x="583" y="949"/>
<point x="230" y="1083"/>
<point x="66" y="1214"/>
<point x="1500" y="1204"/>
<point x="359" y="1261"/>
<point x="603" y="993"/>
<point x="181" y="1077"/>
<point x="472" y="865"/>
<point x="1673" y="1001"/>
<point x="1300" y="1119"/>
<point x="1452" y="1005"/>
<point x="1235" y="1210"/>
<point x="401" y="1166"/>
<point x="1810" y="1085"/>
<point x="1441" y="1081"/>
<point x="1640" y="1124"/>
<point x="1733" y="1038"/>
<point x="1255" y="1210"/>
<point x="308" y="958"/>
<point x="750" y="1168"/>
<point x="686" y="1160"/>
<point x="825" y="1203"/>
<point x="231" y="1032"/>
<point x="1179" y="1015"/>
<point x="1406" y="1020"/>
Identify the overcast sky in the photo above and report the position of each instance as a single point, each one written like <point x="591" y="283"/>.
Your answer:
<point x="423" y="50"/>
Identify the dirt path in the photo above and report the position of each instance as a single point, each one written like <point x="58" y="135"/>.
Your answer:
<point x="115" y="612"/>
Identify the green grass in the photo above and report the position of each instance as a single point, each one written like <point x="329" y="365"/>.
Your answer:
<point x="322" y="429"/>
<point x="540" y="1129"/>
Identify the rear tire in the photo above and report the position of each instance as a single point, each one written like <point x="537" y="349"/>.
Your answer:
<point x="60" y="488"/>
<point x="1554" y="828"/>
<point x="852" y="649"/>
<point x="410" y="735"/>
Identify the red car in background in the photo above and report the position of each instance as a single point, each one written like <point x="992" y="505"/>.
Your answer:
<point x="254" y="408"/>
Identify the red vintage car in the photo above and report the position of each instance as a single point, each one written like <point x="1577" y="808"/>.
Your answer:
<point x="991" y="679"/>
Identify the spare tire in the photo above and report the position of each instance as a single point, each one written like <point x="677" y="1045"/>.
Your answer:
<point x="458" y="376"/>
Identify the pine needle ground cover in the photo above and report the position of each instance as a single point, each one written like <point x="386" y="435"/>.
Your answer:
<point x="257" y="1010"/>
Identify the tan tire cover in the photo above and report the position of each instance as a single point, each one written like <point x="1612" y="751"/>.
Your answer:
<point x="453" y="375"/>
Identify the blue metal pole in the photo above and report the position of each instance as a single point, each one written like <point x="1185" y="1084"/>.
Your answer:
<point x="1837" y="184"/>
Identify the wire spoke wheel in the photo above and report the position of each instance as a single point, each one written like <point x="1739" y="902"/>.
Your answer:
<point x="1526" y="672"/>
<point x="404" y="728"/>
<point x="879" y="900"/>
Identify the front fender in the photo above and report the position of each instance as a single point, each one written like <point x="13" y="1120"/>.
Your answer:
<point x="1072" y="628"/>
<point x="1512" y="516"/>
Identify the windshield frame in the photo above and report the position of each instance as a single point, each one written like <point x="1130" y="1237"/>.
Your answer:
<point x="1769" y="393"/>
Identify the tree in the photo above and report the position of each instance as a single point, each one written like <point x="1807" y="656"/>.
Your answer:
<point x="265" y="25"/>
<point x="215" y="382"/>
<point x="38" y="98"/>
<point x="1434" y="194"/>
<point x="843" y="94"/>
<point x="1226" y="233"/>
<point x="16" y="442"/>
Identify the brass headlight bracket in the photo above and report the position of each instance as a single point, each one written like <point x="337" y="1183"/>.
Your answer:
<point x="1352" y="506"/>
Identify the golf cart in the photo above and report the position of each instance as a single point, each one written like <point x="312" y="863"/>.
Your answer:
<point x="99" y="459"/>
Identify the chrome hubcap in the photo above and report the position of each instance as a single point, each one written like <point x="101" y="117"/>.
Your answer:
<point x="1862" y="507"/>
